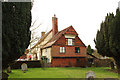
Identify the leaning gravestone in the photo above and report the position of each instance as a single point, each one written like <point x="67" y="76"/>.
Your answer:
<point x="8" y="69"/>
<point x="24" y="67"/>
<point x="90" y="75"/>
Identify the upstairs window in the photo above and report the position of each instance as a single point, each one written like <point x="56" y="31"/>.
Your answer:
<point x="77" y="49"/>
<point x="70" y="42"/>
<point x="62" y="49"/>
<point x="46" y="50"/>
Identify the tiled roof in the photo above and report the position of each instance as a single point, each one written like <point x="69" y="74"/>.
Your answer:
<point x="42" y="38"/>
<point x="56" y="37"/>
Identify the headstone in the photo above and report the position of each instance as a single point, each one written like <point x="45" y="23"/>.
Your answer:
<point x="8" y="69"/>
<point x="24" y="67"/>
<point x="90" y="75"/>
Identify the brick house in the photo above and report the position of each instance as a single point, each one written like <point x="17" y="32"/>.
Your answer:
<point x="62" y="48"/>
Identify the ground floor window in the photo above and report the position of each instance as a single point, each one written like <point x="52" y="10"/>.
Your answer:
<point x="77" y="60"/>
<point x="48" y="60"/>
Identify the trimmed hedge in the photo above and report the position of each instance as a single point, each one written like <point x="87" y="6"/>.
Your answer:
<point x="30" y="64"/>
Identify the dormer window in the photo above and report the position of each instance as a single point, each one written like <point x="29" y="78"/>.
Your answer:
<point x="70" y="39"/>
<point x="70" y="42"/>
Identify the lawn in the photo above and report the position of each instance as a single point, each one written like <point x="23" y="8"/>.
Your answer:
<point x="66" y="72"/>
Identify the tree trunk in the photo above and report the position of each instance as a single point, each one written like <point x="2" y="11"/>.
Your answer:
<point x="117" y="61"/>
<point x="118" y="68"/>
<point x="112" y="65"/>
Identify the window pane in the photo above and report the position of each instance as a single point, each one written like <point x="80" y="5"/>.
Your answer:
<point x="63" y="49"/>
<point x="60" y="49"/>
<point x="69" y="41"/>
<point x="46" y="50"/>
<point x="77" y="49"/>
<point x="77" y="60"/>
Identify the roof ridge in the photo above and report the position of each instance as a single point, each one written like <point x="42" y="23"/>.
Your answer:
<point x="43" y="37"/>
<point x="57" y="34"/>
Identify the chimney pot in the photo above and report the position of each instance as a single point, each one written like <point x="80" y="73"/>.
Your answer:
<point x="54" y="15"/>
<point x="42" y="34"/>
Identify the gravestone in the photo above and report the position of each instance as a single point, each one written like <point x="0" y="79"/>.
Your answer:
<point x="8" y="69"/>
<point x="24" y="67"/>
<point x="90" y="75"/>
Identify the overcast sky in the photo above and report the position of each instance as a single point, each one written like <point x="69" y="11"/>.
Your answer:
<point x="84" y="15"/>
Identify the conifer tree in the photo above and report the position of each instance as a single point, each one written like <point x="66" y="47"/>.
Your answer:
<point x="108" y="38"/>
<point x="16" y="20"/>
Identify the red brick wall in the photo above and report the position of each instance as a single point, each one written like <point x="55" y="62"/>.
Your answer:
<point x="78" y="42"/>
<point x="69" y="51"/>
<point x="70" y="62"/>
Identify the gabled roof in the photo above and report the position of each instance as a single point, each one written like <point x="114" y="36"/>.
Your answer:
<point x="57" y="36"/>
<point x="42" y="38"/>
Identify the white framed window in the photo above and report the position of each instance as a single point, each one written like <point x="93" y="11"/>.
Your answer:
<point x="62" y="49"/>
<point x="70" y="42"/>
<point x="48" y="60"/>
<point x="46" y="50"/>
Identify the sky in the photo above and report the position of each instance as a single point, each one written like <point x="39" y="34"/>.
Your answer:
<point x="84" y="15"/>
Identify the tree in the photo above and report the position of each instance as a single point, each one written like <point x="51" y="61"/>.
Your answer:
<point x="114" y="40"/>
<point x="108" y="37"/>
<point x="16" y="21"/>
<point x="89" y="50"/>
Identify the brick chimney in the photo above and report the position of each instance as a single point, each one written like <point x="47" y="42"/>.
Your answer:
<point x="54" y="25"/>
<point x="42" y="34"/>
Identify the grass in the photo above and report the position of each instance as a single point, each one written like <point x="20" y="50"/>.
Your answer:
<point x="67" y="72"/>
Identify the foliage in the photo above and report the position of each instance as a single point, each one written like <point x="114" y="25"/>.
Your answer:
<point x="16" y="20"/>
<point x="89" y="50"/>
<point x="108" y="38"/>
